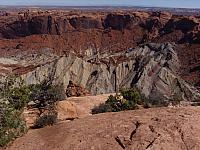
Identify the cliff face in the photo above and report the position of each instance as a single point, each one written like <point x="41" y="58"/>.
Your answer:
<point x="153" y="25"/>
<point x="66" y="31"/>
<point x="153" y="68"/>
<point x="104" y="51"/>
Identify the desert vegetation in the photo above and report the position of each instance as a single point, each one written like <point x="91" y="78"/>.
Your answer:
<point x="11" y="124"/>
<point x="127" y="99"/>
<point x="15" y="95"/>
<point x="44" y="96"/>
<point x="45" y="120"/>
<point x="130" y="99"/>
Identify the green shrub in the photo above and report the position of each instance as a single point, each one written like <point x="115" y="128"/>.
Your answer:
<point x="131" y="98"/>
<point x="132" y="95"/>
<point x="14" y="96"/>
<point x="16" y="92"/>
<point x="114" y="103"/>
<point x="46" y="94"/>
<point x="46" y="120"/>
<point x="102" y="108"/>
<point x="19" y="97"/>
<point x="11" y="124"/>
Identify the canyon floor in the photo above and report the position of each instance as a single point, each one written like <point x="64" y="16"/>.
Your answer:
<point x="156" y="128"/>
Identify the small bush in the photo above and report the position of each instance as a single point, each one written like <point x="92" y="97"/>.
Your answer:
<point x="102" y="108"/>
<point x="46" y="94"/>
<point x="11" y="124"/>
<point x="15" y="95"/>
<point x="19" y="97"/>
<point x="133" y="95"/>
<point x="128" y="100"/>
<point x="15" y="92"/>
<point x="46" y="120"/>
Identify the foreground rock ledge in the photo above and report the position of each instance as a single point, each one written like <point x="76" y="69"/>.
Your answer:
<point x="161" y="128"/>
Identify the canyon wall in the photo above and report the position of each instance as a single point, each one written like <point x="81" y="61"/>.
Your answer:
<point x="153" y="68"/>
<point x="67" y="31"/>
<point x="104" y="51"/>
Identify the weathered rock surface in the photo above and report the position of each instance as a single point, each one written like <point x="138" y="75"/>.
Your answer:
<point x="69" y="109"/>
<point x="76" y="90"/>
<point x="65" y="31"/>
<point x="160" y="128"/>
<point x="30" y="116"/>
<point x="79" y="107"/>
<point x="153" y="68"/>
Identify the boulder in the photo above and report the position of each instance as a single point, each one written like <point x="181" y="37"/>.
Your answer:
<point x="78" y="107"/>
<point x="30" y="115"/>
<point x="75" y="90"/>
<point x="66" y="110"/>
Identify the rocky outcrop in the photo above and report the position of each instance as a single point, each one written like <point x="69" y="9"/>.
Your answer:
<point x="183" y="24"/>
<point x="67" y="110"/>
<point x="112" y="31"/>
<point x="153" y="25"/>
<point x="30" y="116"/>
<point x="85" y="23"/>
<point x="161" y="128"/>
<point x="35" y="25"/>
<point x="79" y="107"/>
<point x="153" y="68"/>
<point x="89" y="49"/>
<point x="120" y="22"/>
<point x="75" y="90"/>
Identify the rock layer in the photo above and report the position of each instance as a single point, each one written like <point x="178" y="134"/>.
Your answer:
<point x="153" y="68"/>
<point x="161" y="128"/>
<point x="66" y="31"/>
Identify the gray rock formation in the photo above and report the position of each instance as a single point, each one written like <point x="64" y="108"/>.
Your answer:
<point x="153" y="68"/>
